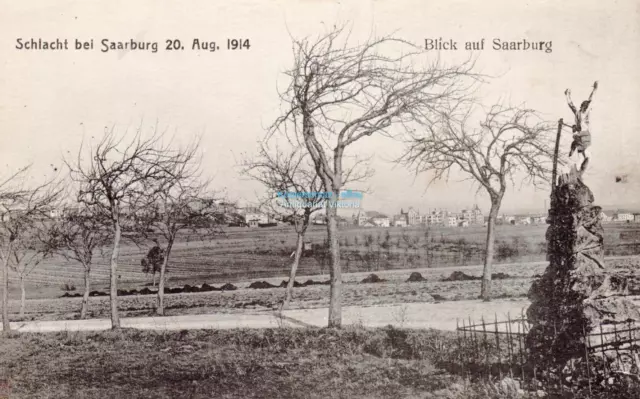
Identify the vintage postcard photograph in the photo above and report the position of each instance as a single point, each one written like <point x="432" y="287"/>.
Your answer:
<point x="320" y="199"/>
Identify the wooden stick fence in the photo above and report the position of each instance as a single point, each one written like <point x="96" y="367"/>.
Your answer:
<point x="493" y="350"/>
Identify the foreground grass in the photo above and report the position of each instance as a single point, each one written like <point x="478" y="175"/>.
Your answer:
<point x="269" y="363"/>
<point x="274" y="363"/>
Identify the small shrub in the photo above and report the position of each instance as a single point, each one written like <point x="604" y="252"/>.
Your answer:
<point x="67" y="287"/>
<point x="505" y="251"/>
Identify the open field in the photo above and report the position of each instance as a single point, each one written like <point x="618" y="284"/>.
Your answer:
<point x="394" y="290"/>
<point x="246" y="254"/>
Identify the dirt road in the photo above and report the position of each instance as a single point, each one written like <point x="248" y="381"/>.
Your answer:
<point x="411" y="315"/>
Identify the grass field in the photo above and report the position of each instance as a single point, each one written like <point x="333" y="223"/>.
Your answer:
<point x="272" y="363"/>
<point x="284" y="363"/>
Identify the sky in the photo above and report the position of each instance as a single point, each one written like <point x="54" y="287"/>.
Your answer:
<point x="52" y="101"/>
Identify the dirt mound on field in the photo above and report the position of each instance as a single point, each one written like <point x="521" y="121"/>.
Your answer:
<point x="461" y="276"/>
<point x="296" y="284"/>
<point x="311" y="282"/>
<point x="415" y="276"/>
<point x="372" y="278"/>
<point x="261" y="285"/>
<point x="438" y="297"/>
<point x="228" y="287"/>
<point x="206" y="288"/>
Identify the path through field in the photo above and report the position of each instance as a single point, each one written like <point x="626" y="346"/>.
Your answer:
<point x="440" y="316"/>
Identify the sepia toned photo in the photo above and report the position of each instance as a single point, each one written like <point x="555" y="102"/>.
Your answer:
<point x="320" y="199"/>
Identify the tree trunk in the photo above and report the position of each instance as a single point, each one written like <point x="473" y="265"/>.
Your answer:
<point x="23" y="296"/>
<point x="154" y="278"/>
<point x="163" y="269"/>
<point x="335" y="273"/>
<point x="485" y="290"/>
<point x="115" y="317"/>
<point x="294" y="269"/>
<point x="85" y="297"/>
<point x="5" y="290"/>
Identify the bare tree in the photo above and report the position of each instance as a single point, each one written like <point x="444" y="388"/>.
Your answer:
<point x="182" y="202"/>
<point x="339" y="94"/>
<point x="21" y="208"/>
<point x="290" y="180"/>
<point x="510" y="145"/>
<point x="77" y="234"/>
<point x="26" y="254"/>
<point x="121" y="180"/>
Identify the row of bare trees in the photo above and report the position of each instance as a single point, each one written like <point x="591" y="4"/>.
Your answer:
<point x="339" y="95"/>
<point x="137" y="189"/>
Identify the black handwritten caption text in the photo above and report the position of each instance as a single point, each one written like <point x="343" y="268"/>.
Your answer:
<point x="107" y="45"/>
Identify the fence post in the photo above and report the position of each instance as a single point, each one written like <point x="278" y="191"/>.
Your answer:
<point x="604" y="357"/>
<point x="474" y="341"/>
<point x="586" y="356"/>
<point x="509" y="346"/>
<point x="521" y="356"/>
<point x="458" y="341"/>
<point x="498" y="346"/>
<point x="615" y="345"/>
<point x="463" y="348"/>
<point x="486" y="349"/>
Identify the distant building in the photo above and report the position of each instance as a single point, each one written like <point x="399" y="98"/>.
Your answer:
<point x="360" y="218"/>
<point x="524" y="220"/>
<point x="342" y="222"/>
<point x="226" y="207"/>
<point x="399" y="221"/>
<point x="254" y="219"/>
<point x="623" y="216"/>
<point x="604" y="217"/>
<point x="452" y="221"/>
<point x="463" y="223"/>
<point x="473" y="216"/>
<point x="636" y="217"/>
<point x="411" y="216"/>
<point x="477" y="217"/>
<point x="381" y="221"/>
<point x="539" y="219"/>
<point x="435" y="218"/>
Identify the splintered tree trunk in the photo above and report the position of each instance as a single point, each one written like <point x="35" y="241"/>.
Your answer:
<point x="294" y="269"/>
<point x="5" y="290"/>
<point x="23" y="296"/>
<point x="485" y="290"/>
<point x="163" y="270"/>
<point x="85" y="296"/>
<point x="335" y="272"/>
<point x="115" y="317"/>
